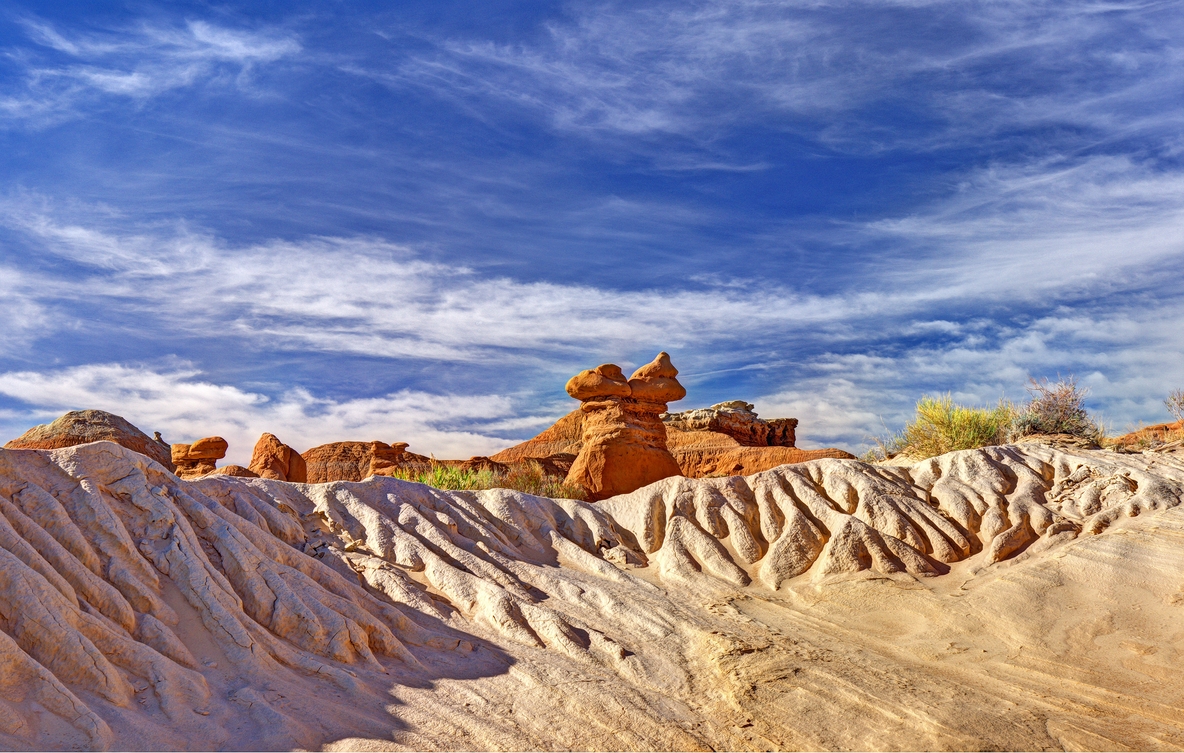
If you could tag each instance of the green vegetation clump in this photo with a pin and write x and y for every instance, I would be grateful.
(942, 426)
(527, 477)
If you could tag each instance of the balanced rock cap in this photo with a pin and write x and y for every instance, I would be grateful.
(656, 383)
(208, 448)
(606, 380)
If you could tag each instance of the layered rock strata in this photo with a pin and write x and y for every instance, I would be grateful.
(738, 420)
(702, 454)
(85, 426)
(623, 445)
(200, 458)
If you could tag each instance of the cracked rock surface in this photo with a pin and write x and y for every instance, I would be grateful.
(1019, 597)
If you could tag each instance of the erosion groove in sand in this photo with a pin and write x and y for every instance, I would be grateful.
(1018, 596)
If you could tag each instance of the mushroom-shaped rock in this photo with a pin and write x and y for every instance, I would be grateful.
(273, 459)
(199, 458)
(656, 383)
(606, 380)
(624, 440)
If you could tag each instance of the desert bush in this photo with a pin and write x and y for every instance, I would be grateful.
(1056, 408)
(1175, 404)
(942, 426)
(528, 477)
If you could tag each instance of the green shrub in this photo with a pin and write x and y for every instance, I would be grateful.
(527, 477)
(1057, 408)
(943, 426)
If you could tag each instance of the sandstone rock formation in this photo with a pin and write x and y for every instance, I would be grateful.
(1150, 436)
(738, 420)
(198, 459)
(84, 426)
(564, 437)
(725, 439)
(234, 470)
(701, 454)
(624, 441)
(271, 458)
(354, 461)
(1014, 598)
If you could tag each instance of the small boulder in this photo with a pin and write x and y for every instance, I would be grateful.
(234, 470)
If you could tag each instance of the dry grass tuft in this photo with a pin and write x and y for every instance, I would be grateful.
(1175, 404)
(1057, 408)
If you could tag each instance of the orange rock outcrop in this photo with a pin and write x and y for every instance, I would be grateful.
(85, 426)
(273, 459)
(725, 439)
(738, 420)
(201, 457)
(623, 439)
(702, 454)
(1149, 436)
(564, 437)
(354, 461)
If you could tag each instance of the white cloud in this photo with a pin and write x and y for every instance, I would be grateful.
(183, 407)
(136, 63)
(1128, 357)
(696, 68)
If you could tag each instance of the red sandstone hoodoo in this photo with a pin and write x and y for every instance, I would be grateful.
(624, 440)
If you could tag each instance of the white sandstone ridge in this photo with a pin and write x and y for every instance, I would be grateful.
(1014, 597)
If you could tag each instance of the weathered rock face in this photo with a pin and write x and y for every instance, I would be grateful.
(201, 457)
(739, 421)
(702, 454)
(564, 437)
(85, 426)
(271, 458)
(354, 461)
(1011, 598)
(624, 440)
(725, 439)
(1150, 436)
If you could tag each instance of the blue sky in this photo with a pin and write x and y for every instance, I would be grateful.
(353, 221)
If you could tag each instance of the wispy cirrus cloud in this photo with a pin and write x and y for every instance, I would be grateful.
(1021, 272)
(1090, 228)
(63, 71)
(846, 73)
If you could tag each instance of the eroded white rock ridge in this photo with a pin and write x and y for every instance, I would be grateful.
(140, 610)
